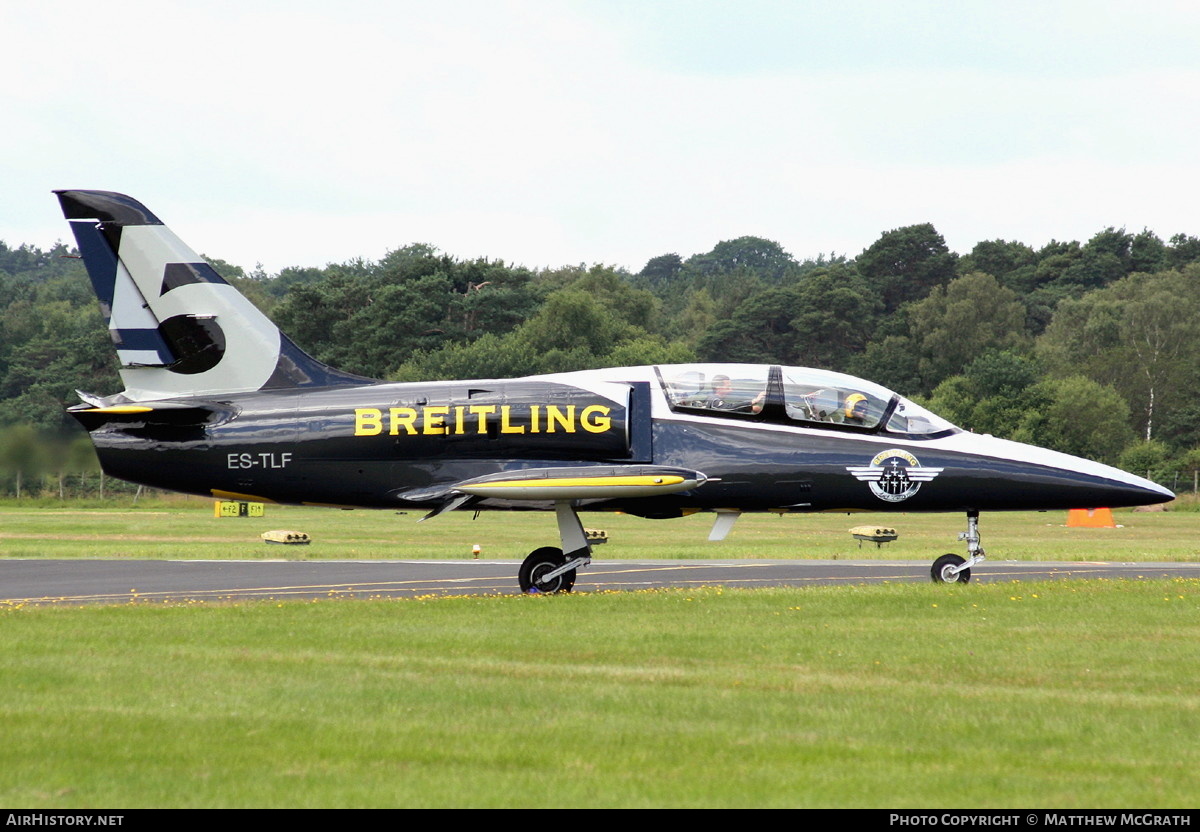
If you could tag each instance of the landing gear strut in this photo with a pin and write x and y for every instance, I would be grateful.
(951, 569)
(549, 570)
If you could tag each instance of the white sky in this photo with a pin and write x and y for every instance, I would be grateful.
(600, 131)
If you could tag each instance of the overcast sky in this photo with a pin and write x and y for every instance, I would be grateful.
(600, 131)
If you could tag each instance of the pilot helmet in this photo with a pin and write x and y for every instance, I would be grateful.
(851, 401)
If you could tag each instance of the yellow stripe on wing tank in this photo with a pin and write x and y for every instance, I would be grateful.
(120, 409)
(588, 481)
(614, 486)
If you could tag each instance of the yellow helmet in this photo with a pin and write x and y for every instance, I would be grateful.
(851, 401)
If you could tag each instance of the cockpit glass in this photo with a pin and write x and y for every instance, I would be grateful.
(810, 397)
(728, 388)
(914, 420)
(833, 398)
(825, 397)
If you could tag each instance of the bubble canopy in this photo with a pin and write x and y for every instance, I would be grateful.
(799, 396)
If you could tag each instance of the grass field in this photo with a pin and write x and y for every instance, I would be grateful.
(179, 529)
(1076, 694)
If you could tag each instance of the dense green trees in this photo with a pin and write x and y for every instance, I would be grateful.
(598, 318)
(1141, 335)
(821, 319)
(369, 318)
(1076, 415)
(955, 324)
(906, 264)
(52, 340)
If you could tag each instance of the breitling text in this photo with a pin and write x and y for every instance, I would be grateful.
(457, 420)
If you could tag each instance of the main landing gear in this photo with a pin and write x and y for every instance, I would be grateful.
(548, 569)
(951, 569)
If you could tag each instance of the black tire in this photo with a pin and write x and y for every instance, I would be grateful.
(939, 575)
(539, 562)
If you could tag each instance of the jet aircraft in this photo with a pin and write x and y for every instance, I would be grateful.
(219, 402)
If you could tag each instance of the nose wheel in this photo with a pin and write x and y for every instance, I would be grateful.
(951, 569)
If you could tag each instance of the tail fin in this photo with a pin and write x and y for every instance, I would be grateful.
(179, 328)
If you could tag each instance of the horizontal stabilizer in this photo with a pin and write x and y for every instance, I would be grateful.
(167, 414)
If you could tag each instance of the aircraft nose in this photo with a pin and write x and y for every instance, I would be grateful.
(1101, 486)
(1137, 491)
(1096, 492)
(1147, 493)
(1044, 479)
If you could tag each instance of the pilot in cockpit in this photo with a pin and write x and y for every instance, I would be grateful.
(723, 397)
(856, 409)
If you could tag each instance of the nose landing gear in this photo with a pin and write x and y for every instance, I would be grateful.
(950, 568)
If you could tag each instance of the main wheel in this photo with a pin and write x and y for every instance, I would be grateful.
(541, 562)
(941, 573)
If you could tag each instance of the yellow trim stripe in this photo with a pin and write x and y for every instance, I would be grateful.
(582, 482)
(123, 408)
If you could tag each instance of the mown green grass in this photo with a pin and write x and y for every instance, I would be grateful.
(188, 530)
(1057, 695)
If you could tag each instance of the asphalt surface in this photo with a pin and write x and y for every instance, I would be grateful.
(151, 581)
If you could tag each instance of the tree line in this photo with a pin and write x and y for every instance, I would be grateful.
(1090, 348)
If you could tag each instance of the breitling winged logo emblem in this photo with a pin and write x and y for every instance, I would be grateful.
(894, 475)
